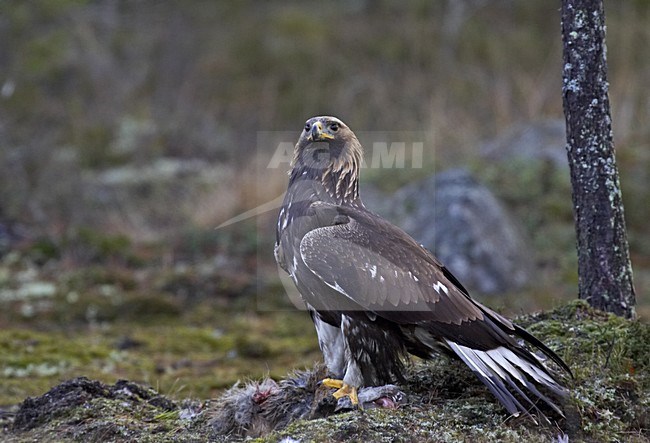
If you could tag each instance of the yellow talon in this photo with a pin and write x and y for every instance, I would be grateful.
(344, 390)
(332, 383)
(347, 390)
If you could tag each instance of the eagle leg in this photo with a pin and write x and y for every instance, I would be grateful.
(344, 390)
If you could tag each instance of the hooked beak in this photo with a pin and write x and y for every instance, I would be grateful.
(317, 134)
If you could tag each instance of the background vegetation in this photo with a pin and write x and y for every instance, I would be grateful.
(129, 130)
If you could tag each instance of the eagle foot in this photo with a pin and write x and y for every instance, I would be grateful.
(344, 390)
(385, 397)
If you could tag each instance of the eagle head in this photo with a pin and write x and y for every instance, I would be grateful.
(328, 149)
(324, 129)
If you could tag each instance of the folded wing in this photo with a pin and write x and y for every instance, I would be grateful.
(378, 267)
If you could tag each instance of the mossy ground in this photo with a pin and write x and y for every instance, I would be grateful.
(179, 360)
(609, 401)
(187, 333)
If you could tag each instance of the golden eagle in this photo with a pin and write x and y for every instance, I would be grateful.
(376, 295)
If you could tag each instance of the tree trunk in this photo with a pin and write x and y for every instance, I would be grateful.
(604, 267)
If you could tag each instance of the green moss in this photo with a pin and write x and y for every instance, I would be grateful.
(94, 146)
(609, 400)
(178, 358)
(149, 308)
(98, 246)
(452, 422)
(44, 249)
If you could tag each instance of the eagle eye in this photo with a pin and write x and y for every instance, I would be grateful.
(334, 127)
(307, 127)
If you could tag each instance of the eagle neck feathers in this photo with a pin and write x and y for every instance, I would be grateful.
(339, 176)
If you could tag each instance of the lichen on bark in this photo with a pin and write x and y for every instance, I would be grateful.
(604, 266)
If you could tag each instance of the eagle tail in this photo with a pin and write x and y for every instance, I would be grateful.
(501, 368)
(530, 338)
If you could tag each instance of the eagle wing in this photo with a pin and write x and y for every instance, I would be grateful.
(382, 269)
(375, 265)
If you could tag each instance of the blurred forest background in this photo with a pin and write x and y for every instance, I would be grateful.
(129, 131)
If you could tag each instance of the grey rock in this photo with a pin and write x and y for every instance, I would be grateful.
(466, 227)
